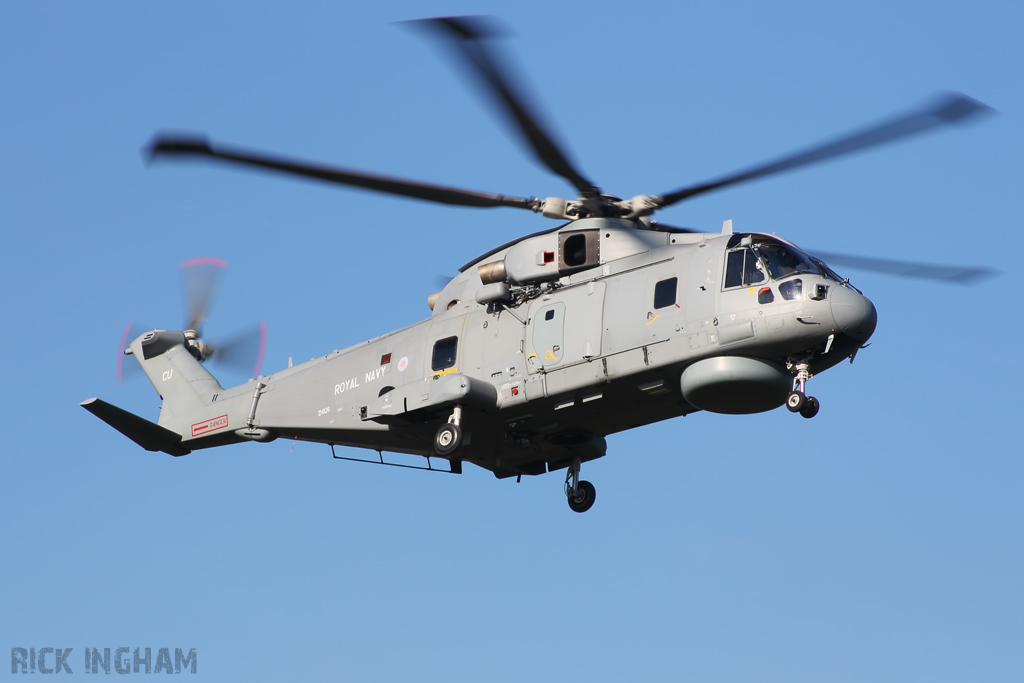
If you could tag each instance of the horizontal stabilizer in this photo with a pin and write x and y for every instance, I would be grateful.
(150, 436)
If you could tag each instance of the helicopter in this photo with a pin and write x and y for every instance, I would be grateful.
(542, 347)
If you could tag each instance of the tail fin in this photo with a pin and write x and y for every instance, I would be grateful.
(185, 386)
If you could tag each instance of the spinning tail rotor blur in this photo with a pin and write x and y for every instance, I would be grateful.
(242, 351)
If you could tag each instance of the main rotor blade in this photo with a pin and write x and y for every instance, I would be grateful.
(467, 35)
(198, 146)
(665, 227)
(960, 275)
(951, 108)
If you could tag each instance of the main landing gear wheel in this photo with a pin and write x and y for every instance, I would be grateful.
(810, 408)
(580, 494)
(796, 401)
(448, 439)
(584, 497)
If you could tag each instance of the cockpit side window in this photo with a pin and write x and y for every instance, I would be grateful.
(753, 271)
(784, 261)
(743, 267)
(734, 269)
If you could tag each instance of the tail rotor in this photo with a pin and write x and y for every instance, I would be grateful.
(128, 369)
(242, 351)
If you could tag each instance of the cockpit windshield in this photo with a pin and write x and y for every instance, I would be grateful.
(829, 273)
(784, 261)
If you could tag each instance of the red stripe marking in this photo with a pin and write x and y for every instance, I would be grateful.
(202, 427)
(204, 261)
(120, 350)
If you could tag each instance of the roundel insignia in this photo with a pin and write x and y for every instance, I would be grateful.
(403, 364)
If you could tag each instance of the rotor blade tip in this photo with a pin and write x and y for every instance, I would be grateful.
(203, 261)
(976, 276)
(190, 143)
(957, 107)
(466, 27)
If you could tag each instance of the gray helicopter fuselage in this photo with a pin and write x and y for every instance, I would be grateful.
(639, 328)
(542, 347)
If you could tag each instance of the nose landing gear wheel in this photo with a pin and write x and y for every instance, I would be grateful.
(448, 439)
(583, 499)
(796, 402)
(810, 408)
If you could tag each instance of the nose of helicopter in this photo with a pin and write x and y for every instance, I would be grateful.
(854, 313)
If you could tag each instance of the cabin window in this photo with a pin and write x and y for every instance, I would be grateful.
(444, 354)
(665, 293)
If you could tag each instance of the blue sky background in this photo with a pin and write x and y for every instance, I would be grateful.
(880, 541)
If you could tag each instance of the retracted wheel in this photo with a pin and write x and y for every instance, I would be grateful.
(810, 408)
(583, 499)
(796, 401)
(448, 439)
